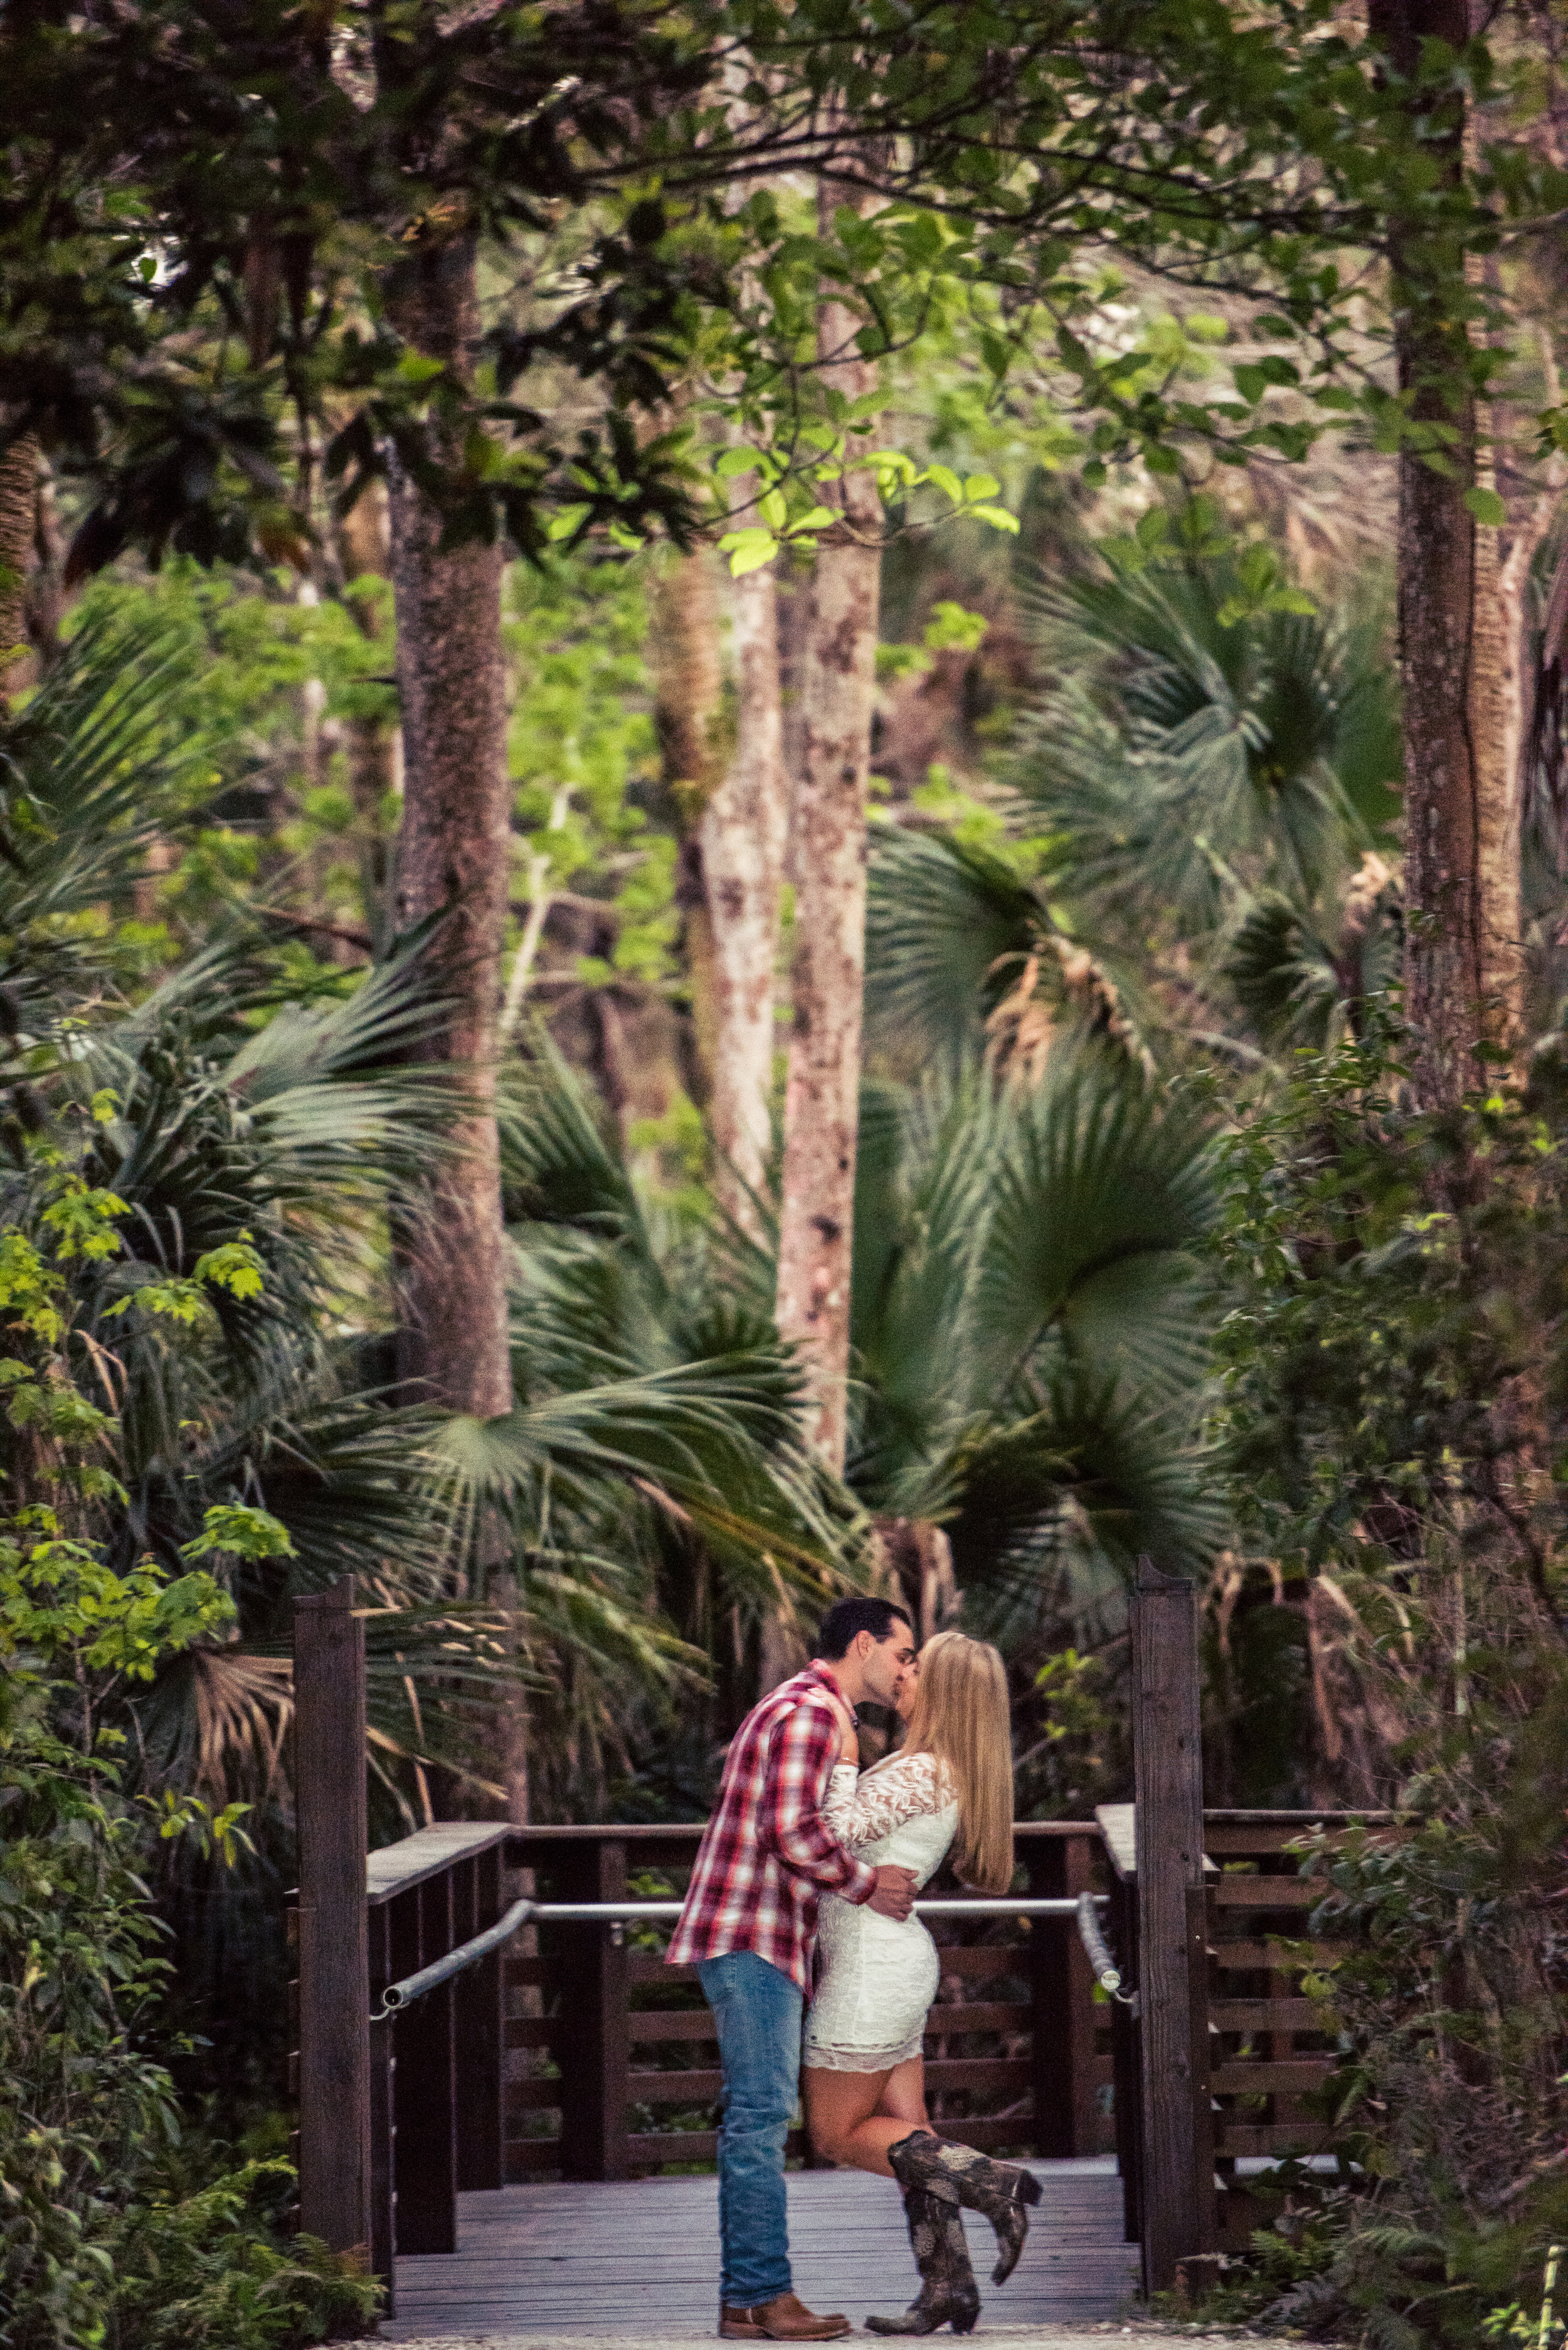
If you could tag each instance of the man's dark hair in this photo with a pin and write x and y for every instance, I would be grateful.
(847, 1617)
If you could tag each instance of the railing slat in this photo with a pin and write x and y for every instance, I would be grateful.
(1263, 2015)
(427, 2079)
(479, 2000)
(592, 2044)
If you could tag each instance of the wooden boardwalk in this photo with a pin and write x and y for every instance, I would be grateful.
(642, 2259)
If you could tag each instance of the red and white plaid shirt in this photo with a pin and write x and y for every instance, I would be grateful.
(768, 1851)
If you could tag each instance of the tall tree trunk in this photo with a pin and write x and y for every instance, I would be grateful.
(454, 859)
(742, 842)
(18, 505)
(1460, 870)
(364, 552)
(689, 720)
(1495, 718)
(838, 683)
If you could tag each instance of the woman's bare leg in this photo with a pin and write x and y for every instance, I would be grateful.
(904, 2098)
(848, 2118)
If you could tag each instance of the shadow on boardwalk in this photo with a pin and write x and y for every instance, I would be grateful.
(642, 2259)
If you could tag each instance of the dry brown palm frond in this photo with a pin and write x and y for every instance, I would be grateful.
(244, 1706)
(1019, 1033)
(1024, 1028)
(1362, 892)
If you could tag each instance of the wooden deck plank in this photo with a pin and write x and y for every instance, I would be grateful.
(641, 2258)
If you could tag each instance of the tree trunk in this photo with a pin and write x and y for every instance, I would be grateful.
(689, 720)
(741, 843)
(836, 689)
(1461, 864)
(1495, 721)
(364, 552)
(454, 859)
(18, 504)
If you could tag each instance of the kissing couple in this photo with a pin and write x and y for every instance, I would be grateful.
(801, 1846)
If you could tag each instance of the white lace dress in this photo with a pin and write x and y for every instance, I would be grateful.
(878, 1975)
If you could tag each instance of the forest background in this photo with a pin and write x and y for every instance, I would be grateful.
(783, 811)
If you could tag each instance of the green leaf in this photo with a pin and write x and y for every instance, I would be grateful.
(1486, 507)
(997, 516)
(951, 628)
(943, 478)
(980, 486)
(244, 1531)
(748, 550)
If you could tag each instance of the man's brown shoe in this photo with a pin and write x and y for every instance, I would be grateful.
(783, 2319)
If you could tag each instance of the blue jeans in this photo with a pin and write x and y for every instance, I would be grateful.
(756, 2013)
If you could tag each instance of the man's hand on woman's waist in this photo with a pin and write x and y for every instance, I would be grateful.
(893, 1895)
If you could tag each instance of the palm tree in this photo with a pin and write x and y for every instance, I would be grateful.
(644, 1351)
(1030, 1329)
(1028, 1334)
(1200, 804)
(223, 1117)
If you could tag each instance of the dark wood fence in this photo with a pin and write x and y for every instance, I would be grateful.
(621, 2071)
(582, 2056)
(1268, 2056)
(574, 2052)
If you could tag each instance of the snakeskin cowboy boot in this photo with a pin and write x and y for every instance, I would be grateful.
(949, 2294)
(999, 2191)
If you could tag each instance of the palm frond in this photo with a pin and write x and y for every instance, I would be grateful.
(1099, 1174)
(1301, 979)
(947, 928)
(1100, 1466)
(90, 772)
(716, 1443)
(1031, 1335)
(1184, 752)
(557, 1165)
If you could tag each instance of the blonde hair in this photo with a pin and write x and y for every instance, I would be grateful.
(960, 1715)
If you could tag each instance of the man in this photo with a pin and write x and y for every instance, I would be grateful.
(750, 1925)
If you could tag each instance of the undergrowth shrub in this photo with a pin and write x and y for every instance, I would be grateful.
(1395, 1425)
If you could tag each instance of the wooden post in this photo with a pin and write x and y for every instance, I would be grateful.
(1168, 1773)
(1062, 1987)
(383, 2120)
(333, 1949)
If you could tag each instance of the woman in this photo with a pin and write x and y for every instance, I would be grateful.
(949, 1784)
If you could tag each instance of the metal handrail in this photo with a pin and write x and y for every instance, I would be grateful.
(1107, 1974)
(402, 1994)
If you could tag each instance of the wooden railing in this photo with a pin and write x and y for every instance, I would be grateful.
(1268, 2056)
(623, 2057)
(437, 2072)
(576, 2051)
(586, 2057)
(1258, 2055)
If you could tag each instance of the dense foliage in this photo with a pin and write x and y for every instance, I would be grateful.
(1171, 324)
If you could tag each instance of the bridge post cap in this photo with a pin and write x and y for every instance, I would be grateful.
(337, 1600)
(1154, 1579)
